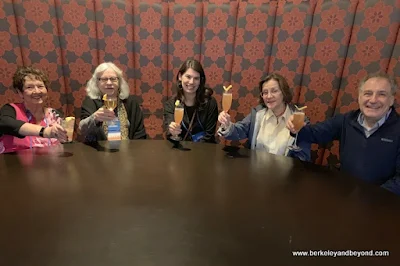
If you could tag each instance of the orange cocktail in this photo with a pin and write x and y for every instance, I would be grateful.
(226, 101)
(298, 120)
(178, 114)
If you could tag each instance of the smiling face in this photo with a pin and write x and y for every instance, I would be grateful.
(34, 92)
(190, 81)
(108, 82)
(273, 96)
(375, 99)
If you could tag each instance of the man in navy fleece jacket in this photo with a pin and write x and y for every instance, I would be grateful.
(369, 137)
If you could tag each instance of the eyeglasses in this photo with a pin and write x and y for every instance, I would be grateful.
(112, 79)
(273, 93)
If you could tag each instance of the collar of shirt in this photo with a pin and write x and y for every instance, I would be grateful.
(284, 117)
(360, 120)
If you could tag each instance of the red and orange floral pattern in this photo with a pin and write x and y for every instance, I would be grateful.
(74, 14)
(323, 47)
(366, 53)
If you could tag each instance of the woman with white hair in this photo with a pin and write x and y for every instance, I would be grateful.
(108, 79)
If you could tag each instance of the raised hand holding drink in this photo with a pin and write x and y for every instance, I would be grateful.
(68, 124)
(178, 116)
(114, 126)
(110, 102)
(227, 99)
(298, 123)
(298, 120)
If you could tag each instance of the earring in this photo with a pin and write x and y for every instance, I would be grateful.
(180, 84)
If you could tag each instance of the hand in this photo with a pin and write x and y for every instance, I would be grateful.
(174, 129)
(55, 131)
(103, 114)
(225, 119)
(291, 127)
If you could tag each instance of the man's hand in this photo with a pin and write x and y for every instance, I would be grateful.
(291, 127)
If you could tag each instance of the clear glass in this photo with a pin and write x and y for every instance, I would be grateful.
(226, 101)
(110, 102)
(178, 116)
(298, 123)
(68, 124)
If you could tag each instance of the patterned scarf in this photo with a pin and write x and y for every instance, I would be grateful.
(123, 119)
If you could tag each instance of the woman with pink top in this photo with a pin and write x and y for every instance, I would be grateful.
(30, 123)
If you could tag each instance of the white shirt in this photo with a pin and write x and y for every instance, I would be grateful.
(273, 135)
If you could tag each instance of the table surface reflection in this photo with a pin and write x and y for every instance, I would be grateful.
(149, 204)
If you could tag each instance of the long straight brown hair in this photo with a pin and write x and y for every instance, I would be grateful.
(202, 93)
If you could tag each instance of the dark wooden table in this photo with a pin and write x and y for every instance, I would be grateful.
(148, 204)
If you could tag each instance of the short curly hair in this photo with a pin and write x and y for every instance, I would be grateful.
(29, 71)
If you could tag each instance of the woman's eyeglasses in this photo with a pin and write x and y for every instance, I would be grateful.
(112, 79)
(273, 93)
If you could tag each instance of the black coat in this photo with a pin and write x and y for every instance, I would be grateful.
(207, 115)
(135, 117)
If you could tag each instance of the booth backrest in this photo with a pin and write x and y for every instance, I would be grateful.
(323, 47)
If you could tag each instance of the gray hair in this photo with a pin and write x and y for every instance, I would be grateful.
(382, 75)
(93, 90)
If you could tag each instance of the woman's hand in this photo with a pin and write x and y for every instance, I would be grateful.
(103, 114)
(55, 131)
(225, 119)
(174, 129)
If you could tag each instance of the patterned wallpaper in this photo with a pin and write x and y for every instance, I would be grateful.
(323, 47)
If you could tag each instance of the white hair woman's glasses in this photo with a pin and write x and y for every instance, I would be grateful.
(92, 87)
(105, 80)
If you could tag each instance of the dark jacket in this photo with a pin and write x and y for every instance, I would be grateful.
(375, 159)
(135, 117)
(205, 120)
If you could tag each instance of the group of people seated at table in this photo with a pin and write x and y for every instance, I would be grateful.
(369, 137)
